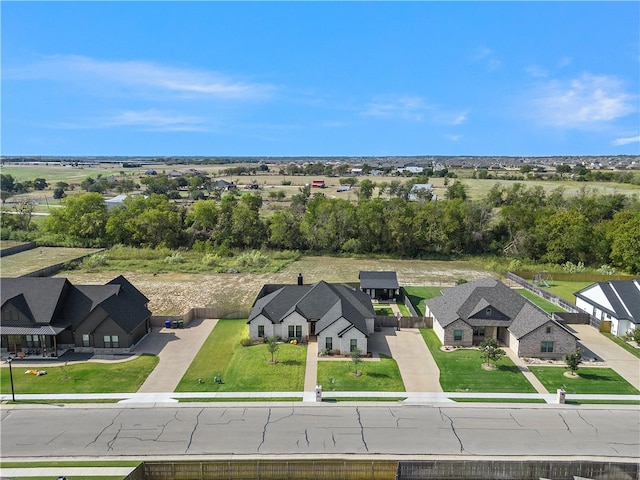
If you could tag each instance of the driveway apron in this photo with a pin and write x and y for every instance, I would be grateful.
(176, 348)
(624, 363)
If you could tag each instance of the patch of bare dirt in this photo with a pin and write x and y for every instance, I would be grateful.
(176, 293)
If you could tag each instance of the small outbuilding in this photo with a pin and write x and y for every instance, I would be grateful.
(379, 285)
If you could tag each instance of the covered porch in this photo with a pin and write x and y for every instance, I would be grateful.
(38, 342)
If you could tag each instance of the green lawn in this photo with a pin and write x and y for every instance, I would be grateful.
(382, 376)
(243, 369)
(591, 380)
(539, 301)
(88, 377)
(632, 349)
(461, 370)
(565, 289)
(418, 295)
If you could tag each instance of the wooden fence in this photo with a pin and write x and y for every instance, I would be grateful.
(272, 469)
(405, 322)
(198, 313)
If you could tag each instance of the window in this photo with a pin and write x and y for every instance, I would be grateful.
(85, 340)
(488, 312)
(111, 341)
(33, 341)
(260, 331)
(546, 347)
(354, 345)
(548, 329)
(295, 331)
(478, 331)
(457, 335)
(329, 343)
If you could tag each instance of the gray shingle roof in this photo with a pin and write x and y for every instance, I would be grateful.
(469, 303)
(322, 302)
(29, 297)
(378, 280)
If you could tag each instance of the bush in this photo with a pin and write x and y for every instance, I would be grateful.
(607, 270)
(95, 261)
(246, 342)
(571, 267)
(174, 259)
(210, 260)
(253, 259)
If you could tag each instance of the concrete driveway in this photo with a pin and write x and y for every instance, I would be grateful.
(417, 367)
(625, 364)
(176, 348)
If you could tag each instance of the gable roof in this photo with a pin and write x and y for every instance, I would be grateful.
(58, 303)
(466, 302)
(619, 298)
(378, 280)
(321, 302)
(28, 295)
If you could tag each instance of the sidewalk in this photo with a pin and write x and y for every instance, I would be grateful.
(69, 472)
(311, 372)
(528, 374)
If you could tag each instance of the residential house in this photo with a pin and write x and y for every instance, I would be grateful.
(48, 316)
(467, 314)
(616, 301)
(338, 317)
(379, 285)
(421, 191)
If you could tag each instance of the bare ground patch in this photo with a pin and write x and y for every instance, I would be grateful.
(176, 293)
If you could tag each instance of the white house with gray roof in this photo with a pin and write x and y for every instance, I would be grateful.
(617, 302)
(467, 314)
(339, 317)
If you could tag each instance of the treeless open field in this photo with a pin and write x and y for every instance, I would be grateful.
(172, 293)
(28, 261)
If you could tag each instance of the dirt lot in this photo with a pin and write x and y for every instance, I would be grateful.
(172, 293)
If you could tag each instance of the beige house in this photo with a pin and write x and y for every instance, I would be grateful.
(467, 314)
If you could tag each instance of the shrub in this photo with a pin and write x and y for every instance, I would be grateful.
(174, 259)
(210, 260)
(95, 261)
(607, 270)
(246, 342)
(571, 267)
(253, 259)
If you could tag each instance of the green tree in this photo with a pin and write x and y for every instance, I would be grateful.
(623, 236)
(84, 217)
(491, 351)
(40, 184)
(366, 189)
(456, 190)
(355, 360)
(272, 348)
(573, 359)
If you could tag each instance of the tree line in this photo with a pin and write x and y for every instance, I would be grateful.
(517, 221)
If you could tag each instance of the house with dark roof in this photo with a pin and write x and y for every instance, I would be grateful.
(337, 316)
(467, 314)
(48, 316)
(617, 302)
(379, 285)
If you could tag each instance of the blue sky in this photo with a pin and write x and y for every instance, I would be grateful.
(320, 78)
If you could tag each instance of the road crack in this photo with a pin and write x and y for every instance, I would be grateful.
(364, 442)
(193, 431)
(453, 429)
(264, 430)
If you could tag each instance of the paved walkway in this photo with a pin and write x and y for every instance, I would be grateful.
(311, 372)
(528, 374)
(176, 348)
(615, 357)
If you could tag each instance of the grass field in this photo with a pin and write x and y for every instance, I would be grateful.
(418, 295)
(566, 290)
(632, 349)
(539, 301)
(30, 260)
(243, 369)
(591, 380)
(461, 370)
(87, 377)
(382, 376)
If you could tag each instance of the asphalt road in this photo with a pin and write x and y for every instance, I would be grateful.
(494, 430)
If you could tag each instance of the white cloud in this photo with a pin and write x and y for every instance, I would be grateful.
(537, 71)
(143, 75)
(407, 107)
(625, 141)
(156, 120)
(454, 138)
(582, 103)
(487, 57)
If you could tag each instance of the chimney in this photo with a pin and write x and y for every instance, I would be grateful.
(300, 279)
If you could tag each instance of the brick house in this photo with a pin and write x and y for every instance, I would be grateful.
(467, 314)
